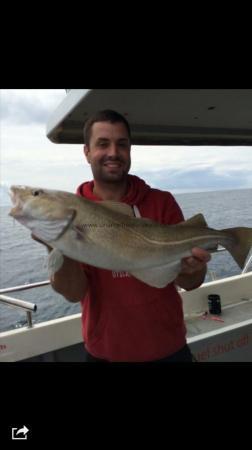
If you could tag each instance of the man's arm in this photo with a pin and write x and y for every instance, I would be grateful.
(193, 270)
(70, 280)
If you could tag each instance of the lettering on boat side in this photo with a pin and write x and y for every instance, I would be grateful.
(221, 348)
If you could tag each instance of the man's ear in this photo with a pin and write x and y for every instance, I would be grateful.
(86, 152)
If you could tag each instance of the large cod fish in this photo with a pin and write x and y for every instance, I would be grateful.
(108, 236)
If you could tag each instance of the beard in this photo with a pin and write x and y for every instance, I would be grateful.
(104, 174)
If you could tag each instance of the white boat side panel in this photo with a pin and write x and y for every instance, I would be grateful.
(16, 345)
(233, 344)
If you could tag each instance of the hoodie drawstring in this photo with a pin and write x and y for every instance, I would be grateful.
(136, 211)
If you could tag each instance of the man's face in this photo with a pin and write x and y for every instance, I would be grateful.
(108, 151)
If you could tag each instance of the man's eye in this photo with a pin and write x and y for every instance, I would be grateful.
(103, 144)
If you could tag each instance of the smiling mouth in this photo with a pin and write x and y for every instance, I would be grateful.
(113, 165)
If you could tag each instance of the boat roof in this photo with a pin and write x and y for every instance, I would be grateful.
(160, 116)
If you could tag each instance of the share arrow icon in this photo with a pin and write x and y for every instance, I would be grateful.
(20, 433)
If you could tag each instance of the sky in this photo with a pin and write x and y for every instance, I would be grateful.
(28, 157)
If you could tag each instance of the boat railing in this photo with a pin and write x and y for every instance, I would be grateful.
(17, 303)
(32, 307)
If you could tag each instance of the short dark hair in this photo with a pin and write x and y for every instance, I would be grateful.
(107, 115)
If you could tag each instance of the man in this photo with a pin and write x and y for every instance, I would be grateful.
(123, 318)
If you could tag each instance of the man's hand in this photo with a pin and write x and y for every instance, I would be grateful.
(195, 263)
(193, 269)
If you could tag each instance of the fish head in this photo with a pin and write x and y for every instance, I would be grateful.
(37, 202)
(39, 208)
(23, 197)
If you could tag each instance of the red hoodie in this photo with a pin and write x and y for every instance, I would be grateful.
(124, 319)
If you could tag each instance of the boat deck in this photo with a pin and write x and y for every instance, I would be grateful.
(232, 314)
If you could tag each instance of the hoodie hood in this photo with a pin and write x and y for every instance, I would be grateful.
(137, 190)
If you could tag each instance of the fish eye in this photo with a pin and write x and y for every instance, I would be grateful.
(37, 192)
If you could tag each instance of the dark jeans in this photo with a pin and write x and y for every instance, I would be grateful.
(183, 355)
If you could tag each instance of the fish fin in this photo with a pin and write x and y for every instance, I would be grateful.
(123, 208)
(50, 230)
(159, 276)
(55, 261)
(242, 244)
(196, 221)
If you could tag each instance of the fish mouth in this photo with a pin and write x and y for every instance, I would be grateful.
(17, 203)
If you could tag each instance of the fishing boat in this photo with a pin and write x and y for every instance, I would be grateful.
(202, 117)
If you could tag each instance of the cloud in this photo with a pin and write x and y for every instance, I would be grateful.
(197, 179)
(60, 175)
(194, 168)
(190, 158)
(28, 106)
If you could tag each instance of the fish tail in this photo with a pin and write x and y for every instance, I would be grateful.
(241, 245)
